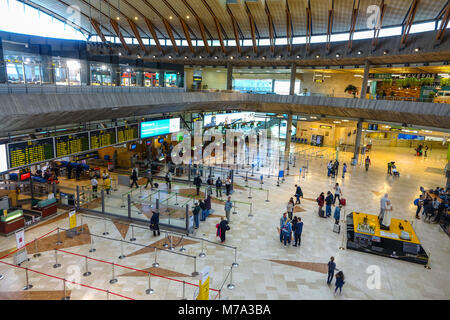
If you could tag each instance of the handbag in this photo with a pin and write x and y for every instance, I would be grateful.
(228, 227)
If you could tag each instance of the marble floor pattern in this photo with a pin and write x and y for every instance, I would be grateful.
(267, 269)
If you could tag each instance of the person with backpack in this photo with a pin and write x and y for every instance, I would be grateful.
(198, 184)
(344, 170)
(218, 187)
(283, 220)
(196, 212)
(154, 223)
(298, 194)
(337, 193)
(298, 229)
(418, 203)
(320, 202)
(228, 207)
(286, 230)
(367, 163)
(328, 202)
(290, 208)
(339, 282)
(222, 228)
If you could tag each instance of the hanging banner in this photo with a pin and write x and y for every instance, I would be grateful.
(72, 219)
(20, 239)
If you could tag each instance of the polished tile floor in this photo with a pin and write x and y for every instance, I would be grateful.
(267, 269)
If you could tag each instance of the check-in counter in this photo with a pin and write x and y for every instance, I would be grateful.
(46, 207)
(12, 222)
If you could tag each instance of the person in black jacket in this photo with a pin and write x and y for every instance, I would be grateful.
(218, 187)
(223, 228)
(198, 184)
(134, 178)
(154, 223)
(298, 193)
(203, 207)
(328, 202)
(196, 212)
(78, 171)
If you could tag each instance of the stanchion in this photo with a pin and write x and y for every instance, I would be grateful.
(2, 277)
(250, 193)
(132, 234)
(65, 297)
(231, 285)
(105, 233)
(87, 273)
(184, 291)
(165, 244)
(342, 247)
(251, 210)
(56, 265)
(176, 198)
(202, 254)
(182, 249)
(234, 207)
(149, 290)
(107, 294)
(28, 286)
(267, 200)
(58, 237)
(427, 266)
(155, 264)
(235, 264)
(92, 249)
(171, 248)
(122, 256)
(37, 254)
(113, 279)
(195, 273)
(81, 222)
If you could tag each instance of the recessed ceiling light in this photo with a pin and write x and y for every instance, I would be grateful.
(120, 53)
(303, 119)
(170, 17)
(336, 122)
(154, 57)
(118, 18)
(200, 57)
(135, 18)
(417, 49)
(170, 57)
(298, 57)
(247, 57)
(313, 117)
(185, 57)
(337, 55)
(187, 17)
(216, 57)
(385, 52)
(345, 120)
(231, 57)
(317, 56)
(263, 57)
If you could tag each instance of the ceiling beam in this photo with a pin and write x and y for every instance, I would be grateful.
(170, 33)
(251, 22)
(353, 24)
(308, 27)
(408, 23)
(446, 18)
(271, 28)
(148, 4)
(235, 29)
(378, 24)
(151, 28)
(136, 34)
(97, 29)
(288, 27)
(219, 28)
(184, 25)
(186, 34)
(203, 29)
(330, 26)
(119, 34)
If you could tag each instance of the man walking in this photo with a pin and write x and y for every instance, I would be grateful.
(198, 184)
(134, 178)
(330, 166)
(298, 232)
(367, 163)
(337, 193)
(218, 187)
(344, 170)
(298, 194)
(228, 207)
(331, 269)
(328, 202)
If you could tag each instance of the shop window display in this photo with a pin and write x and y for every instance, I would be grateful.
(101, 75)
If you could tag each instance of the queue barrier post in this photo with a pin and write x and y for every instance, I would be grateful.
(235, 264)
(267, 200)
(56, 265)
(150, 290)
(235, 208)
(107, 294)
(28, 286)
(165, 245)
(184, 291)
(250, 193)
(82, 228)
(251, 210)
(58, 237)
(122, 256)
(65, 297)
(231, 285)
(155, 264)
(195, 273)
(37, 254)
(132, 234)
(427, 266)
(182, 249)
(105, 233)
(171, 243)
(87, 273)
(92, 249)
(2, 277)
(176, 198)
(202, 254)
(113, 278)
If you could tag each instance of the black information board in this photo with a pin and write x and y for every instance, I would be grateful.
(127, 133)
(71, 144)
(103, 138)
(28, 152)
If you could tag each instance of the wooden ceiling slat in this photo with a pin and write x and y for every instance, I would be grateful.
(119, 34)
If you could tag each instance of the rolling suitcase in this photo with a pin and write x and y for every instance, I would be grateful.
(321, 213)
(342, 201)
(336, 228)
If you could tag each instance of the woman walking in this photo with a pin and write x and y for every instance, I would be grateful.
(154, 223)
(339, 282)
(290, 208)
(320, 202)
(222, 228)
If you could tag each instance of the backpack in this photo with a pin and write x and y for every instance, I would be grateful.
(416, 202)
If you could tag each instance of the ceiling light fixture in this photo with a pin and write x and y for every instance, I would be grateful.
(385, 52)
(337, 55)
(135, 18)
(416, 49)
(170, 17)
(231, 57)
(359, 52)
(317, 56)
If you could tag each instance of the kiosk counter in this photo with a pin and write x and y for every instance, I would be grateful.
(399, 242)
(12, 222)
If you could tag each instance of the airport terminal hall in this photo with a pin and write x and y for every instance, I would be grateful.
(235, 151)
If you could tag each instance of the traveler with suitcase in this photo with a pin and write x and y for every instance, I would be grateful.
(337, 214)
(328, 202)
(337, 193)
(320, 201)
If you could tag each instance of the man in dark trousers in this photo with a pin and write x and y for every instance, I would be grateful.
(69, 171)
(198, 184)
(78, 171)
(336, 168)
(134, 178)
(331, 269)
(154, 223)
(218, 187)
(298, 194)
(298, 232)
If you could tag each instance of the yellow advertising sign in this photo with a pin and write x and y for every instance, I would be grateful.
(72, 219)
(203, 293)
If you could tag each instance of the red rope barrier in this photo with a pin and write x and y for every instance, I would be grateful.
(28, 244)
(55, 277)
(130, 268)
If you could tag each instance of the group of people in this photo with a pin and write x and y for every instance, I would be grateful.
(421, 149)
(435, 204)
(339, 276)
(333, 169)
(106, 183)
(330, 200)
(392, 169)
(210, 183)
(291, 229)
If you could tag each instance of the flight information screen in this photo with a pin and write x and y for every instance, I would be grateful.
(103, 138)
(127, 133)
(72, 143)
(28, 152)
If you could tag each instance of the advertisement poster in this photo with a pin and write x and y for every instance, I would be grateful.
(72, 219)
(20, 239)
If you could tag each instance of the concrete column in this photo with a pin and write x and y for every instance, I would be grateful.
(292, 83)
(358, 140)
(229, 76)
(365, 79)
(3, 75)
(287, 146)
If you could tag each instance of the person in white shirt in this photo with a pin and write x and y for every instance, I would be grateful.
(384, 206)
(94, 184)
(337, 193)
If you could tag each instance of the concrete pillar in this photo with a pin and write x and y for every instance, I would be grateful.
(139, 72)
(287, 146)
(357, 141)
(115, 71)
(292, 83)
(3, 75)
(365, 79)
(229, 76)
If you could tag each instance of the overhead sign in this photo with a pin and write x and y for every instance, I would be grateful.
(223, 119)
(29, 152)
(3, 158)
(159, 127)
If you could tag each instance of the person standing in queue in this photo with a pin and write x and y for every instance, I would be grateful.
(94, 184)
(228, 207)
(337, 193)
(107, 184)
(154, 223)
(298, 232)
(283, 221)
(320, 202)
(223, 228)
(290, 208)
(344, 170)
(367, 163)
(78, 171)
(196, 212)
(228, 186)
(203, 207)
(198, 184)
(169, 181)
(328, 203)
(218, 187)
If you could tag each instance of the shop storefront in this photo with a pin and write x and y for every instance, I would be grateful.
(101, 74)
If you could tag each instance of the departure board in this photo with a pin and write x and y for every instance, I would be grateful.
(127, 133)
(28, 152)
(103, 138)
(72, 143)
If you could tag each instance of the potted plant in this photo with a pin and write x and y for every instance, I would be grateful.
(445, 82)
(352, 90)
